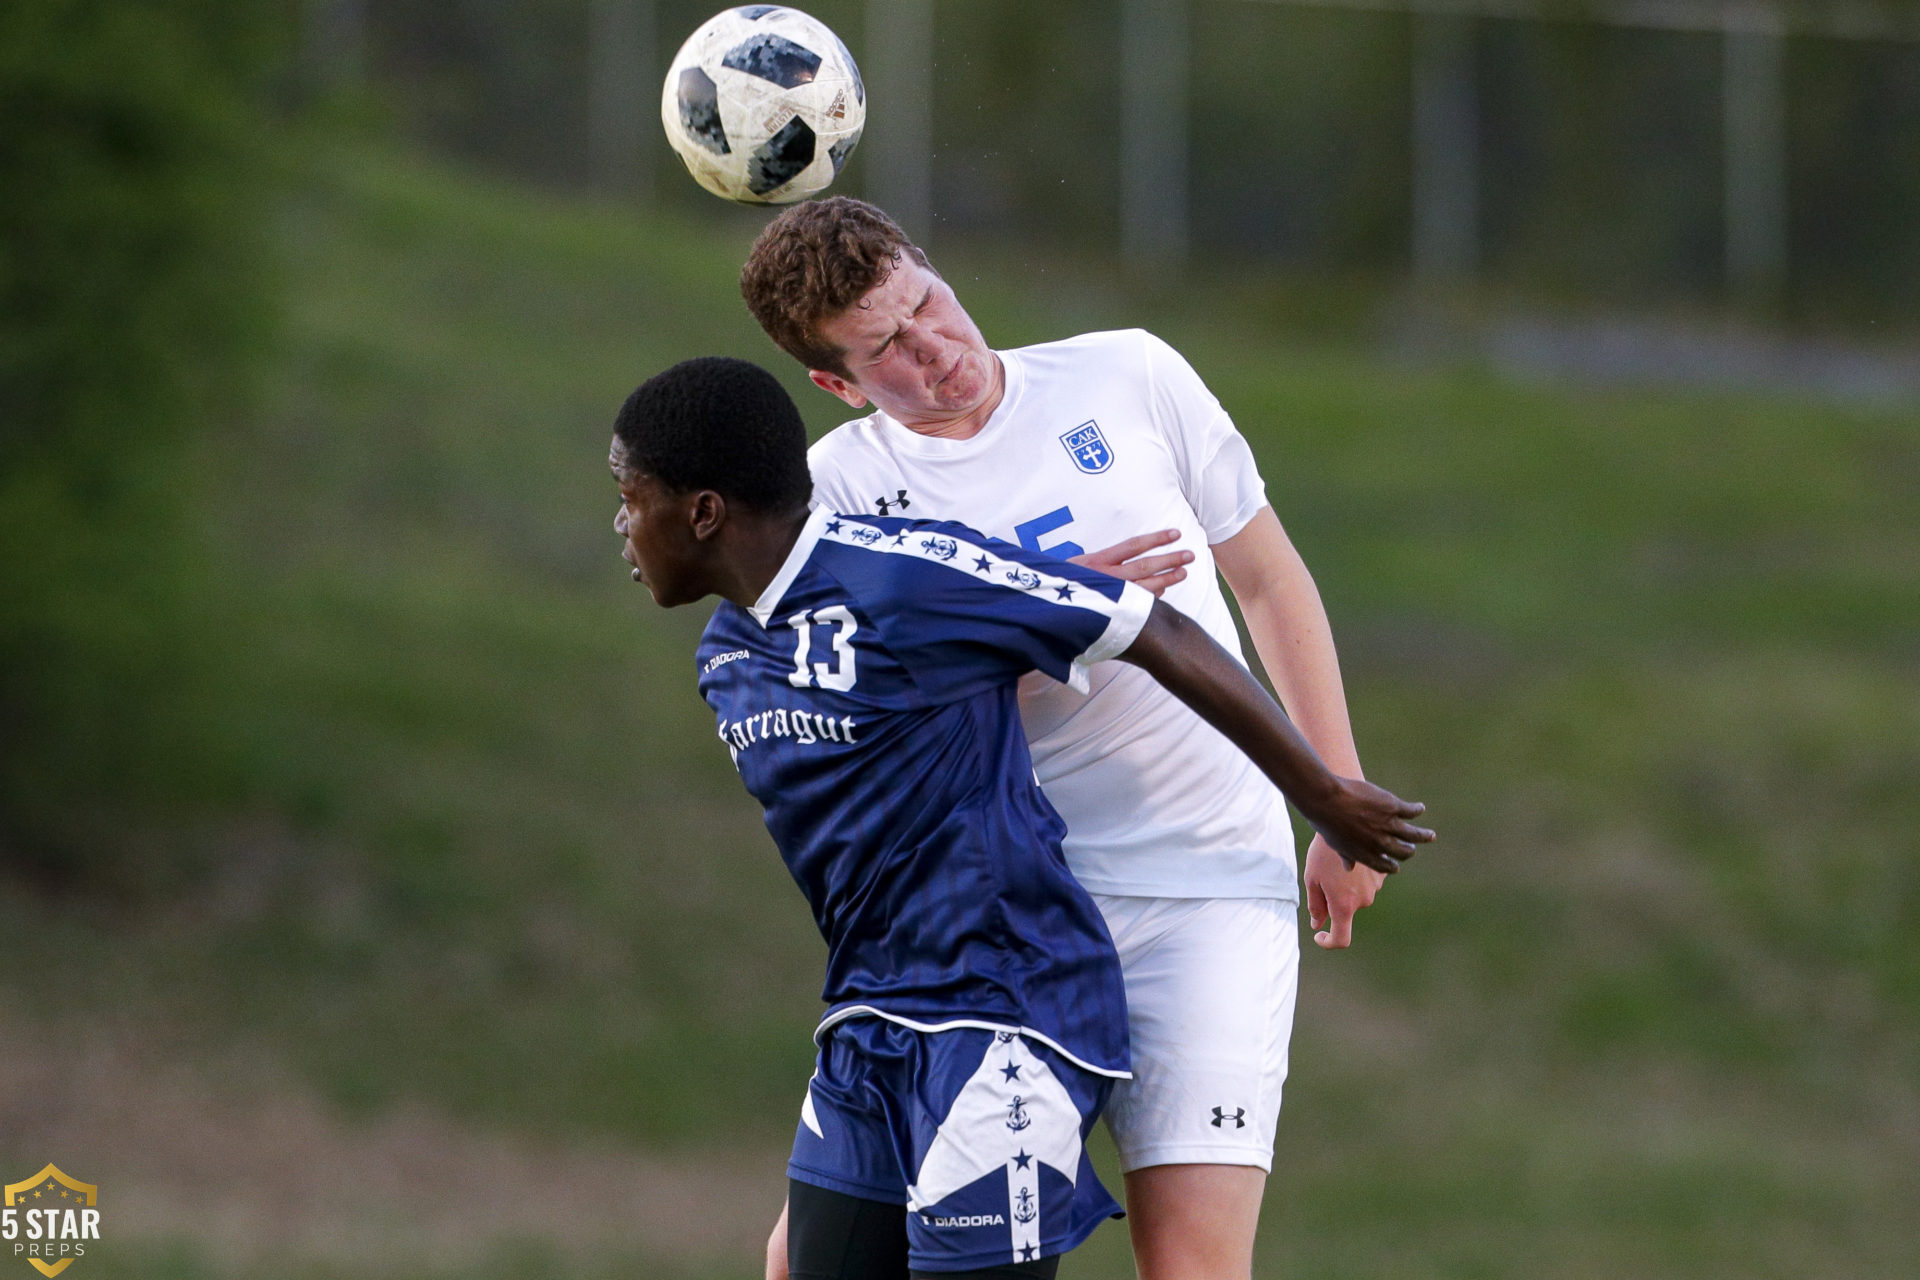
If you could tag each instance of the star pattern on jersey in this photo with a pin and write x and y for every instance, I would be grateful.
(1011, 1071)
(1022, 1160)
(1064, 591)
(900, 538)
(1026, 1253)
(983, 565)
(833, 527)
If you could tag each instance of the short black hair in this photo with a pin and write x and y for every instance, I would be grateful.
(721, 424)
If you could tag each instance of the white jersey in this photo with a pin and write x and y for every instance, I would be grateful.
(1097, 439)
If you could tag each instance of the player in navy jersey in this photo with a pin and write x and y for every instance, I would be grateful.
(862, 672)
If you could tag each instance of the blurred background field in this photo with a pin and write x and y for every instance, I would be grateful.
(378, 902)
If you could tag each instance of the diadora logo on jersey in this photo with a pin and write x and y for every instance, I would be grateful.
(967, 1220)
(1239, 1117)
(886, 505)
(722, 659)
(1088, 448)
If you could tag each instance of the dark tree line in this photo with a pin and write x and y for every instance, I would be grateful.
(132, 297)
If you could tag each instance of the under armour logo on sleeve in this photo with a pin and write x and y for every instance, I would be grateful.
(1239, 1117)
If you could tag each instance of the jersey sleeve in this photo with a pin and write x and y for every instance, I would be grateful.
(962, 611)
(832, 486)
(1217, 472)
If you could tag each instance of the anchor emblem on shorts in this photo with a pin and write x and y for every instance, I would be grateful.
(1017, 1117)
(1024, 1210)
(1239, 1117)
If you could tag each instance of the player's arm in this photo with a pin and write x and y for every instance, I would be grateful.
(1281, 604)
(1359, 820)
(1288, 622)
(777, 1248)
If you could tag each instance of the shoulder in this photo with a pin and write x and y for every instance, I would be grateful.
(880, 559)
(1116, 357)
(1102, 346)
(884, 542)
(845, 442)
(726, 631)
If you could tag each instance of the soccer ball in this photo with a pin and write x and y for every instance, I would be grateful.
(763, 104)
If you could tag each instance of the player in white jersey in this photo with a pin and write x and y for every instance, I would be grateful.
(1076, 448)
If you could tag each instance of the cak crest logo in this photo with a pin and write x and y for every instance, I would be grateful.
(1088, 448)
(49, 1220)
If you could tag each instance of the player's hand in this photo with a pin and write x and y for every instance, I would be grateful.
(1367, 824)
(1336, 889)
(1129, 560)
(777, 1248)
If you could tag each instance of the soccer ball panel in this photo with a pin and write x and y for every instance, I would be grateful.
(840, 150)
(859, 83)
(699, 101)
(772, 56)
(763, 104)
(781, 158)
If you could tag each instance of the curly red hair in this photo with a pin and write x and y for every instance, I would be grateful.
(813, 262)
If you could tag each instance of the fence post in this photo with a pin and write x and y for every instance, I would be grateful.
(623, 85)
(1153, 134)
(333, 41)
(1754, 107)
(898, 142)
(1446, 148)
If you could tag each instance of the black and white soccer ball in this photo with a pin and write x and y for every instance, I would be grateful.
(763, 104)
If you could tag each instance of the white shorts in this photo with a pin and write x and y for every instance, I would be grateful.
(1210, 994)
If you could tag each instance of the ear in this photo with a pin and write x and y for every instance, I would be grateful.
(835, 385)
(706, 515)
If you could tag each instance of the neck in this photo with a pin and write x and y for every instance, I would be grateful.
(759, 545)
(965, 425)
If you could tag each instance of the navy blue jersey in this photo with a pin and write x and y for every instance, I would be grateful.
(868, 699)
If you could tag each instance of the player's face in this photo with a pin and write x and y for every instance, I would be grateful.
(913, 350)
(653, 522)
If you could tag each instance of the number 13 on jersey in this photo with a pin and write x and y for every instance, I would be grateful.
(842, 674)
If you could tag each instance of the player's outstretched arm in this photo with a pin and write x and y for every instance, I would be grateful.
(1361, 821)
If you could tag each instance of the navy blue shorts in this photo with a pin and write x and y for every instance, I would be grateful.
(978, 1133)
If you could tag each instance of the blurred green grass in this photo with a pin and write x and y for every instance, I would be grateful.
(1652, 1008)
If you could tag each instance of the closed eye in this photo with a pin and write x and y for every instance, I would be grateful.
(880, 352)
